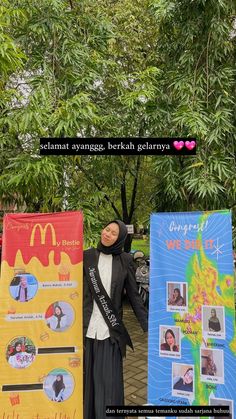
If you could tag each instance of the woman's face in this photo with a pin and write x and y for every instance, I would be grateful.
(57, 311)
(213, 313)
(23, 281)
(176, 294)
(170, 340)
(188, 377)
(18, 347)
(58, 378)
(110, 234)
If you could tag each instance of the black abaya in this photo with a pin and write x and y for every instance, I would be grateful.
(103, 378)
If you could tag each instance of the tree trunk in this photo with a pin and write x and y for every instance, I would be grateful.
(128, 242)
(128, 214)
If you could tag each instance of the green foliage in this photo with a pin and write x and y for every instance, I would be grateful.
(31, 181)
(196, 49)
(142, 245)
(11, 57)
(149, 68)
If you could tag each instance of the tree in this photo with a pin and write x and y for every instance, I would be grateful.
(12, 61)
(76, 80)
(115, 184)
(145, 68)
(196, 50)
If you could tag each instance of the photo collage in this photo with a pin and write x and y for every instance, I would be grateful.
(211, 360)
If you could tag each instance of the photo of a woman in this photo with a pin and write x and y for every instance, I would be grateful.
(185, 383)
(58, 320)
(59, 316)
(18, 356)
(23, 287)
(210, 367)
(23, 290)
(176, 299)
(58, 387)
(170, 342)
(213, 322)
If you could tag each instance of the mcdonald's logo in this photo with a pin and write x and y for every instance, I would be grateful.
(43, 231)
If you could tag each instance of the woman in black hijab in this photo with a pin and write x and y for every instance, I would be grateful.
(213, 322)
(107, 272)
(58, 388)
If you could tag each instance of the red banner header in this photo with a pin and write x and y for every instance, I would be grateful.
(37, 235)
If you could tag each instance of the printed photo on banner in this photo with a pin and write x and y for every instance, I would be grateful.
(23, 287)
(59, 385)
(223, 402)
(212, 365)
(59, 316)
(213, 322)
(183, 380)
(177, 296)
(169, 341)
(20, 352)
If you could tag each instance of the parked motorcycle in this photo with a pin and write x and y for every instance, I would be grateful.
(142, 275)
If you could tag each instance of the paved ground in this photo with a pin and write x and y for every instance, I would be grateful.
(135, 363)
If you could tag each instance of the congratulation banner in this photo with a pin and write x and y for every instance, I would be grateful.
(192, 343)
(41, 317)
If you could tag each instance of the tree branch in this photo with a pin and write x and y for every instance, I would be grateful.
(134, 193)
(124, 198)
(100, 189)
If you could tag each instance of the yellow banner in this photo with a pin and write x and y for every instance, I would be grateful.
(41, 345)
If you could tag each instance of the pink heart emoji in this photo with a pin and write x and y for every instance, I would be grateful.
(178, 145)
(190, 144)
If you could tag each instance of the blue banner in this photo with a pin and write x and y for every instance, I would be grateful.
(192, 340)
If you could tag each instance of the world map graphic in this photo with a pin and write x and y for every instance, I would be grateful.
(193, 253)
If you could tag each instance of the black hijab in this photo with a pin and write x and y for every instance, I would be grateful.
(117, 247)
(58, 385)
(58, 316)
